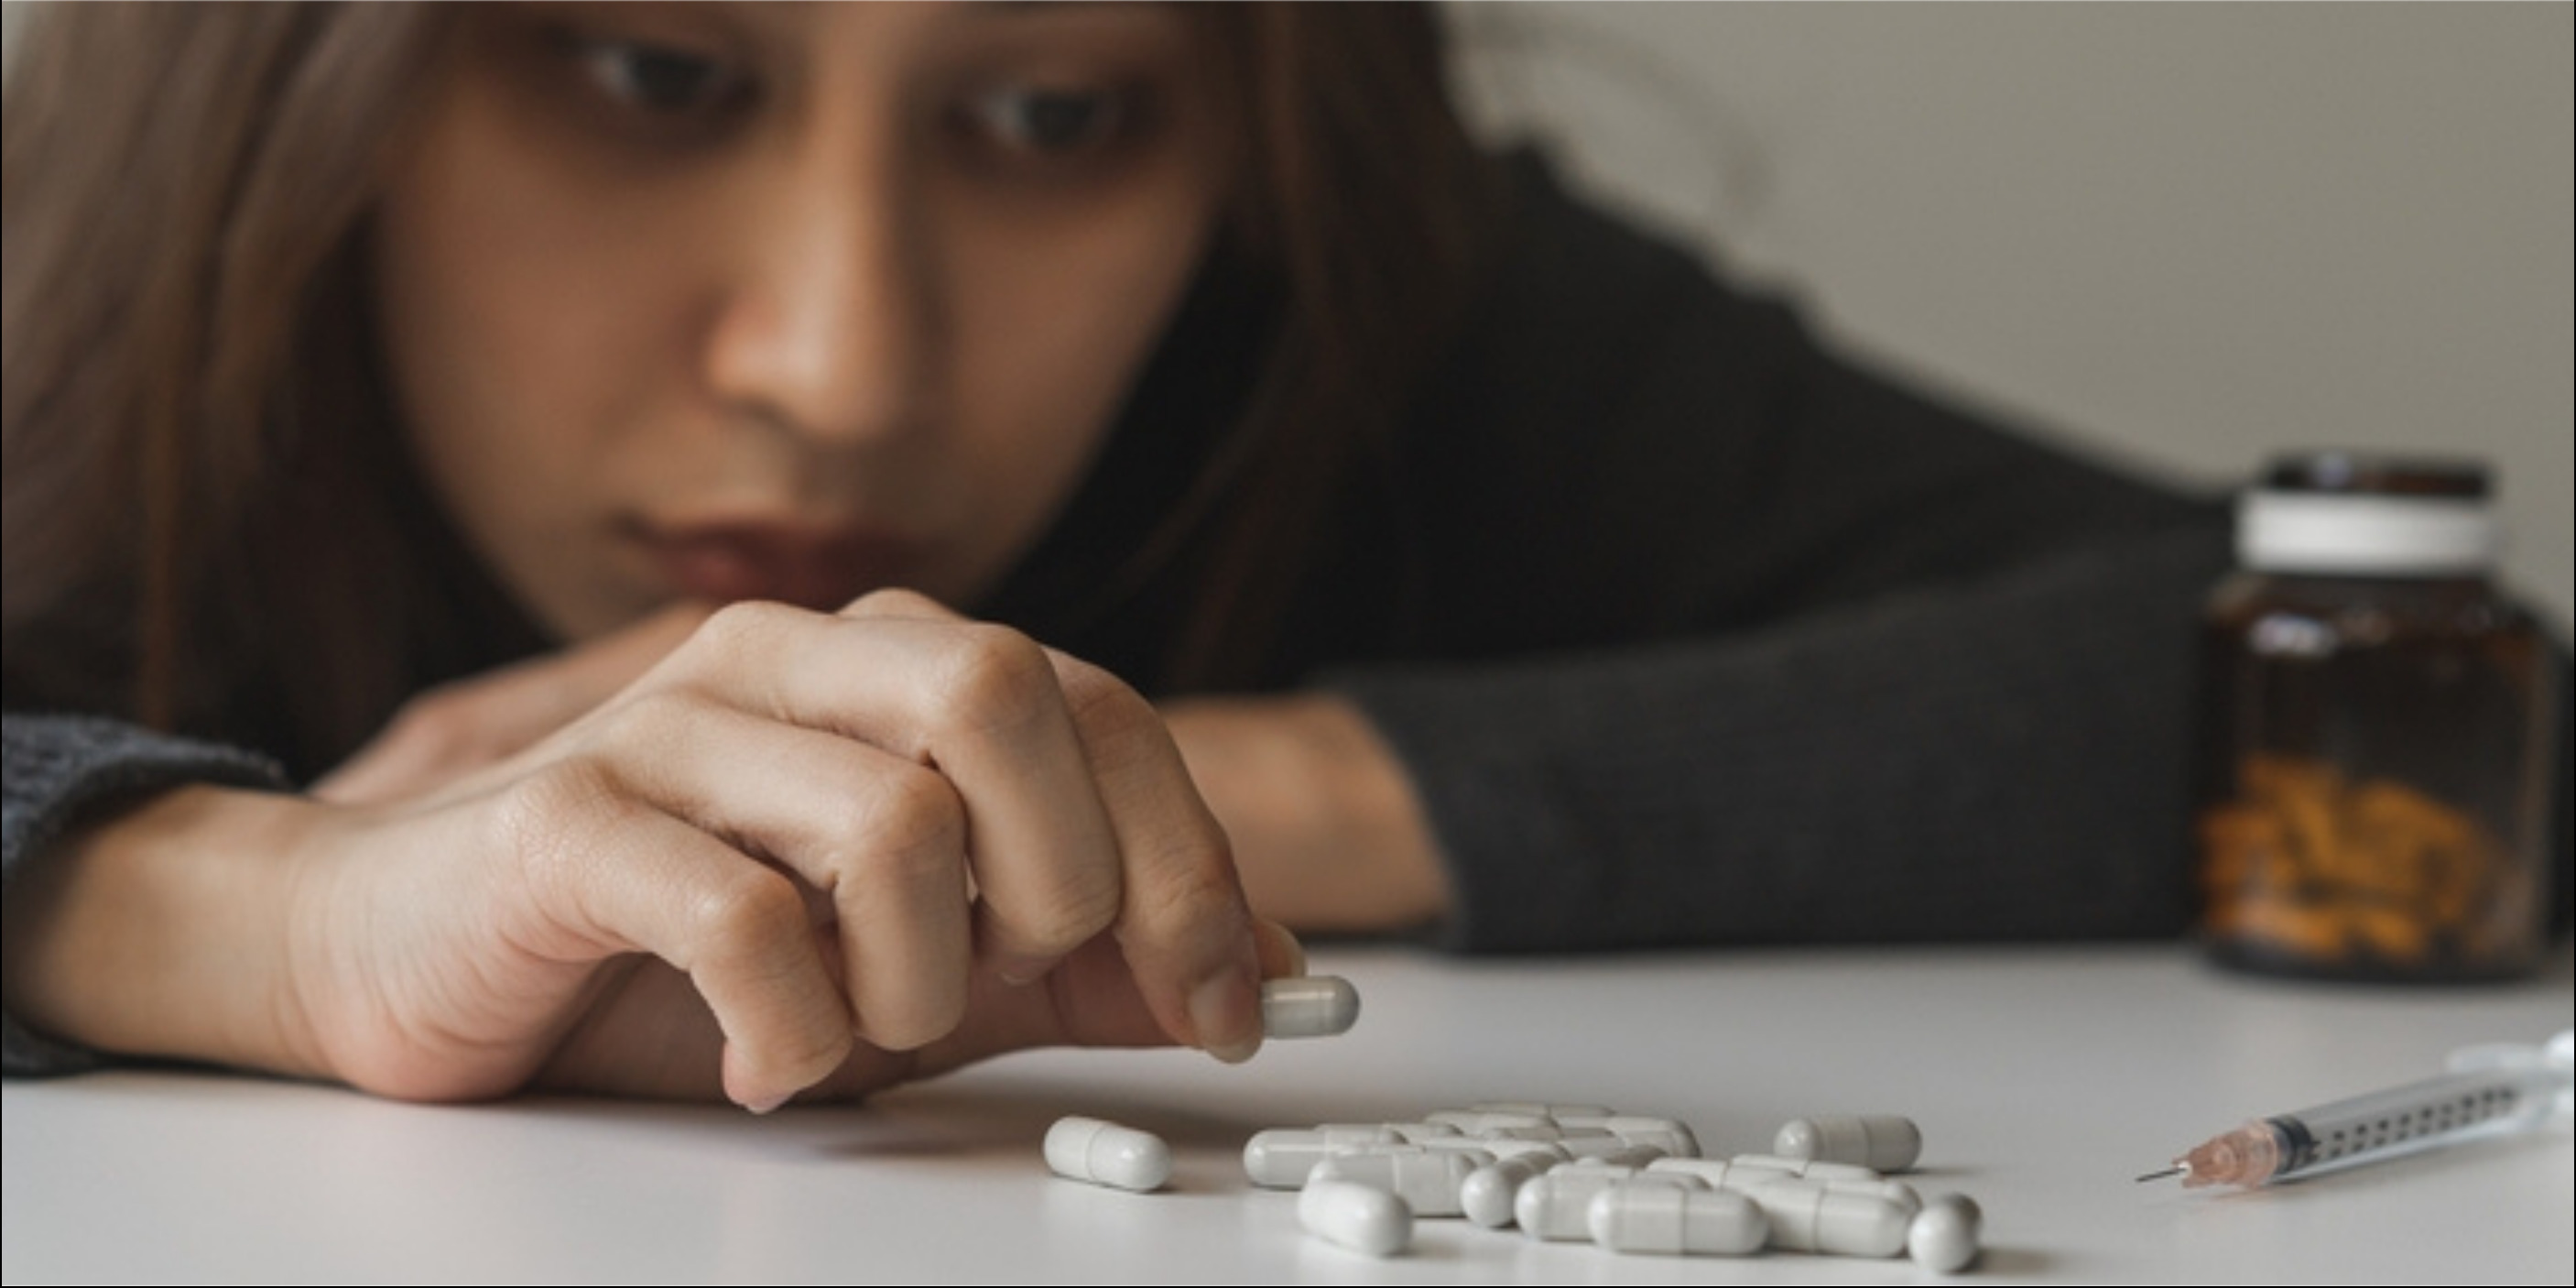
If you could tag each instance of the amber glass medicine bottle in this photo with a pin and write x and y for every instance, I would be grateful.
(2374, 794)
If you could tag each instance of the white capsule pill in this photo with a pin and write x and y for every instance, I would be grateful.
(1809, 1218)
(1104, 1153)
(1340, 1147)
(1636, 1155)
(1669, 1144)
(1487, 1193)
(1547, 1150)
(1477, 1122)
(1520, 1133)
(1810, 1169)
(1743, 1175)
(1542, 1108)
(1713, 1172)
(1896, 1192)
(1423, 1133)
(1360, 1133)
(1557, 1205)
(1312, 1006)
(1883, 1142)
(1671, 1135)
(1280, 1157)
(1359, 1217)
(1739, 1175)
(1943, 1236)
(1633, 1156)
(1589, 1145)
(1675, 1221)
(1427, 1180)
(1466, 1147)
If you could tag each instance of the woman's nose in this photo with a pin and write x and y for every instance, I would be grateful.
(827, 317)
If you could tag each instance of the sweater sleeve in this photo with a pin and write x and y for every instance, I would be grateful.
(2003, 758)
(63, 770)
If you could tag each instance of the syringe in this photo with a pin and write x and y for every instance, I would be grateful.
(2491, 1091)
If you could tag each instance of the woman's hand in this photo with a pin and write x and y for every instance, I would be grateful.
(801, 853)
(1325, 827)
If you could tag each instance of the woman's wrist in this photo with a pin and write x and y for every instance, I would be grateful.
(1328, 832)
(163, 930)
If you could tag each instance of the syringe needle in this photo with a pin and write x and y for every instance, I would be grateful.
(2247, 1156)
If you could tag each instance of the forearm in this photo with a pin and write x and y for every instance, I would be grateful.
(1327, 828)
(1999, 759)
(161, 931)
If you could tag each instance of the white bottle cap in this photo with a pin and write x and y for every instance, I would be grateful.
(2365, 534)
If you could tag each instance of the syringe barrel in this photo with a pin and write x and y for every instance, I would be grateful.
(2419, 1115)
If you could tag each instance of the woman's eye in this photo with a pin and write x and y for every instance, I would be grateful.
(658, 78)
(1052, 121)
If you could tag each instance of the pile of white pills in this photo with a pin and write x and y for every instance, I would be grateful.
(1626, 1182)
(1630, 1183)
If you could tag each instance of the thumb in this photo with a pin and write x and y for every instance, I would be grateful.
(1089, 1000)
(537, 696)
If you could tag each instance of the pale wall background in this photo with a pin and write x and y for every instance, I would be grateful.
(2187, 236)
(2191, 235)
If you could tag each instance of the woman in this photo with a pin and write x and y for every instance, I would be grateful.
(1491, 569)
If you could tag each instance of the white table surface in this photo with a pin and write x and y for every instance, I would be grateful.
(2043, 1079)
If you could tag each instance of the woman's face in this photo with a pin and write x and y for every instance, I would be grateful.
(786, 302)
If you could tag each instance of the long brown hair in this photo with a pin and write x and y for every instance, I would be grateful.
(210, 522)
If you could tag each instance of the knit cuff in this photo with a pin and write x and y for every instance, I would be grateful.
(63, 771)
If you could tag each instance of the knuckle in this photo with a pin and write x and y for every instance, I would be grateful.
(895, 601)
(652, 717)
(568, 793)
(1120, 729)
(1098, 698)
(742, 913)
(437, 725)
(913, 827)
(1079, 907)
(743, 628)
(996, 677)
(547, 817)
(1192, 888)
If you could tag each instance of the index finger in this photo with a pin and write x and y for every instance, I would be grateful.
(1184, 925)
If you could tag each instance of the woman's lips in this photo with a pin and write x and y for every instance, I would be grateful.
(821, 568)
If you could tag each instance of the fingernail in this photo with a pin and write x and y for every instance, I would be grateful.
(1279, 941)
(765, 1106)
(1223, 1005)
(1020, 971)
